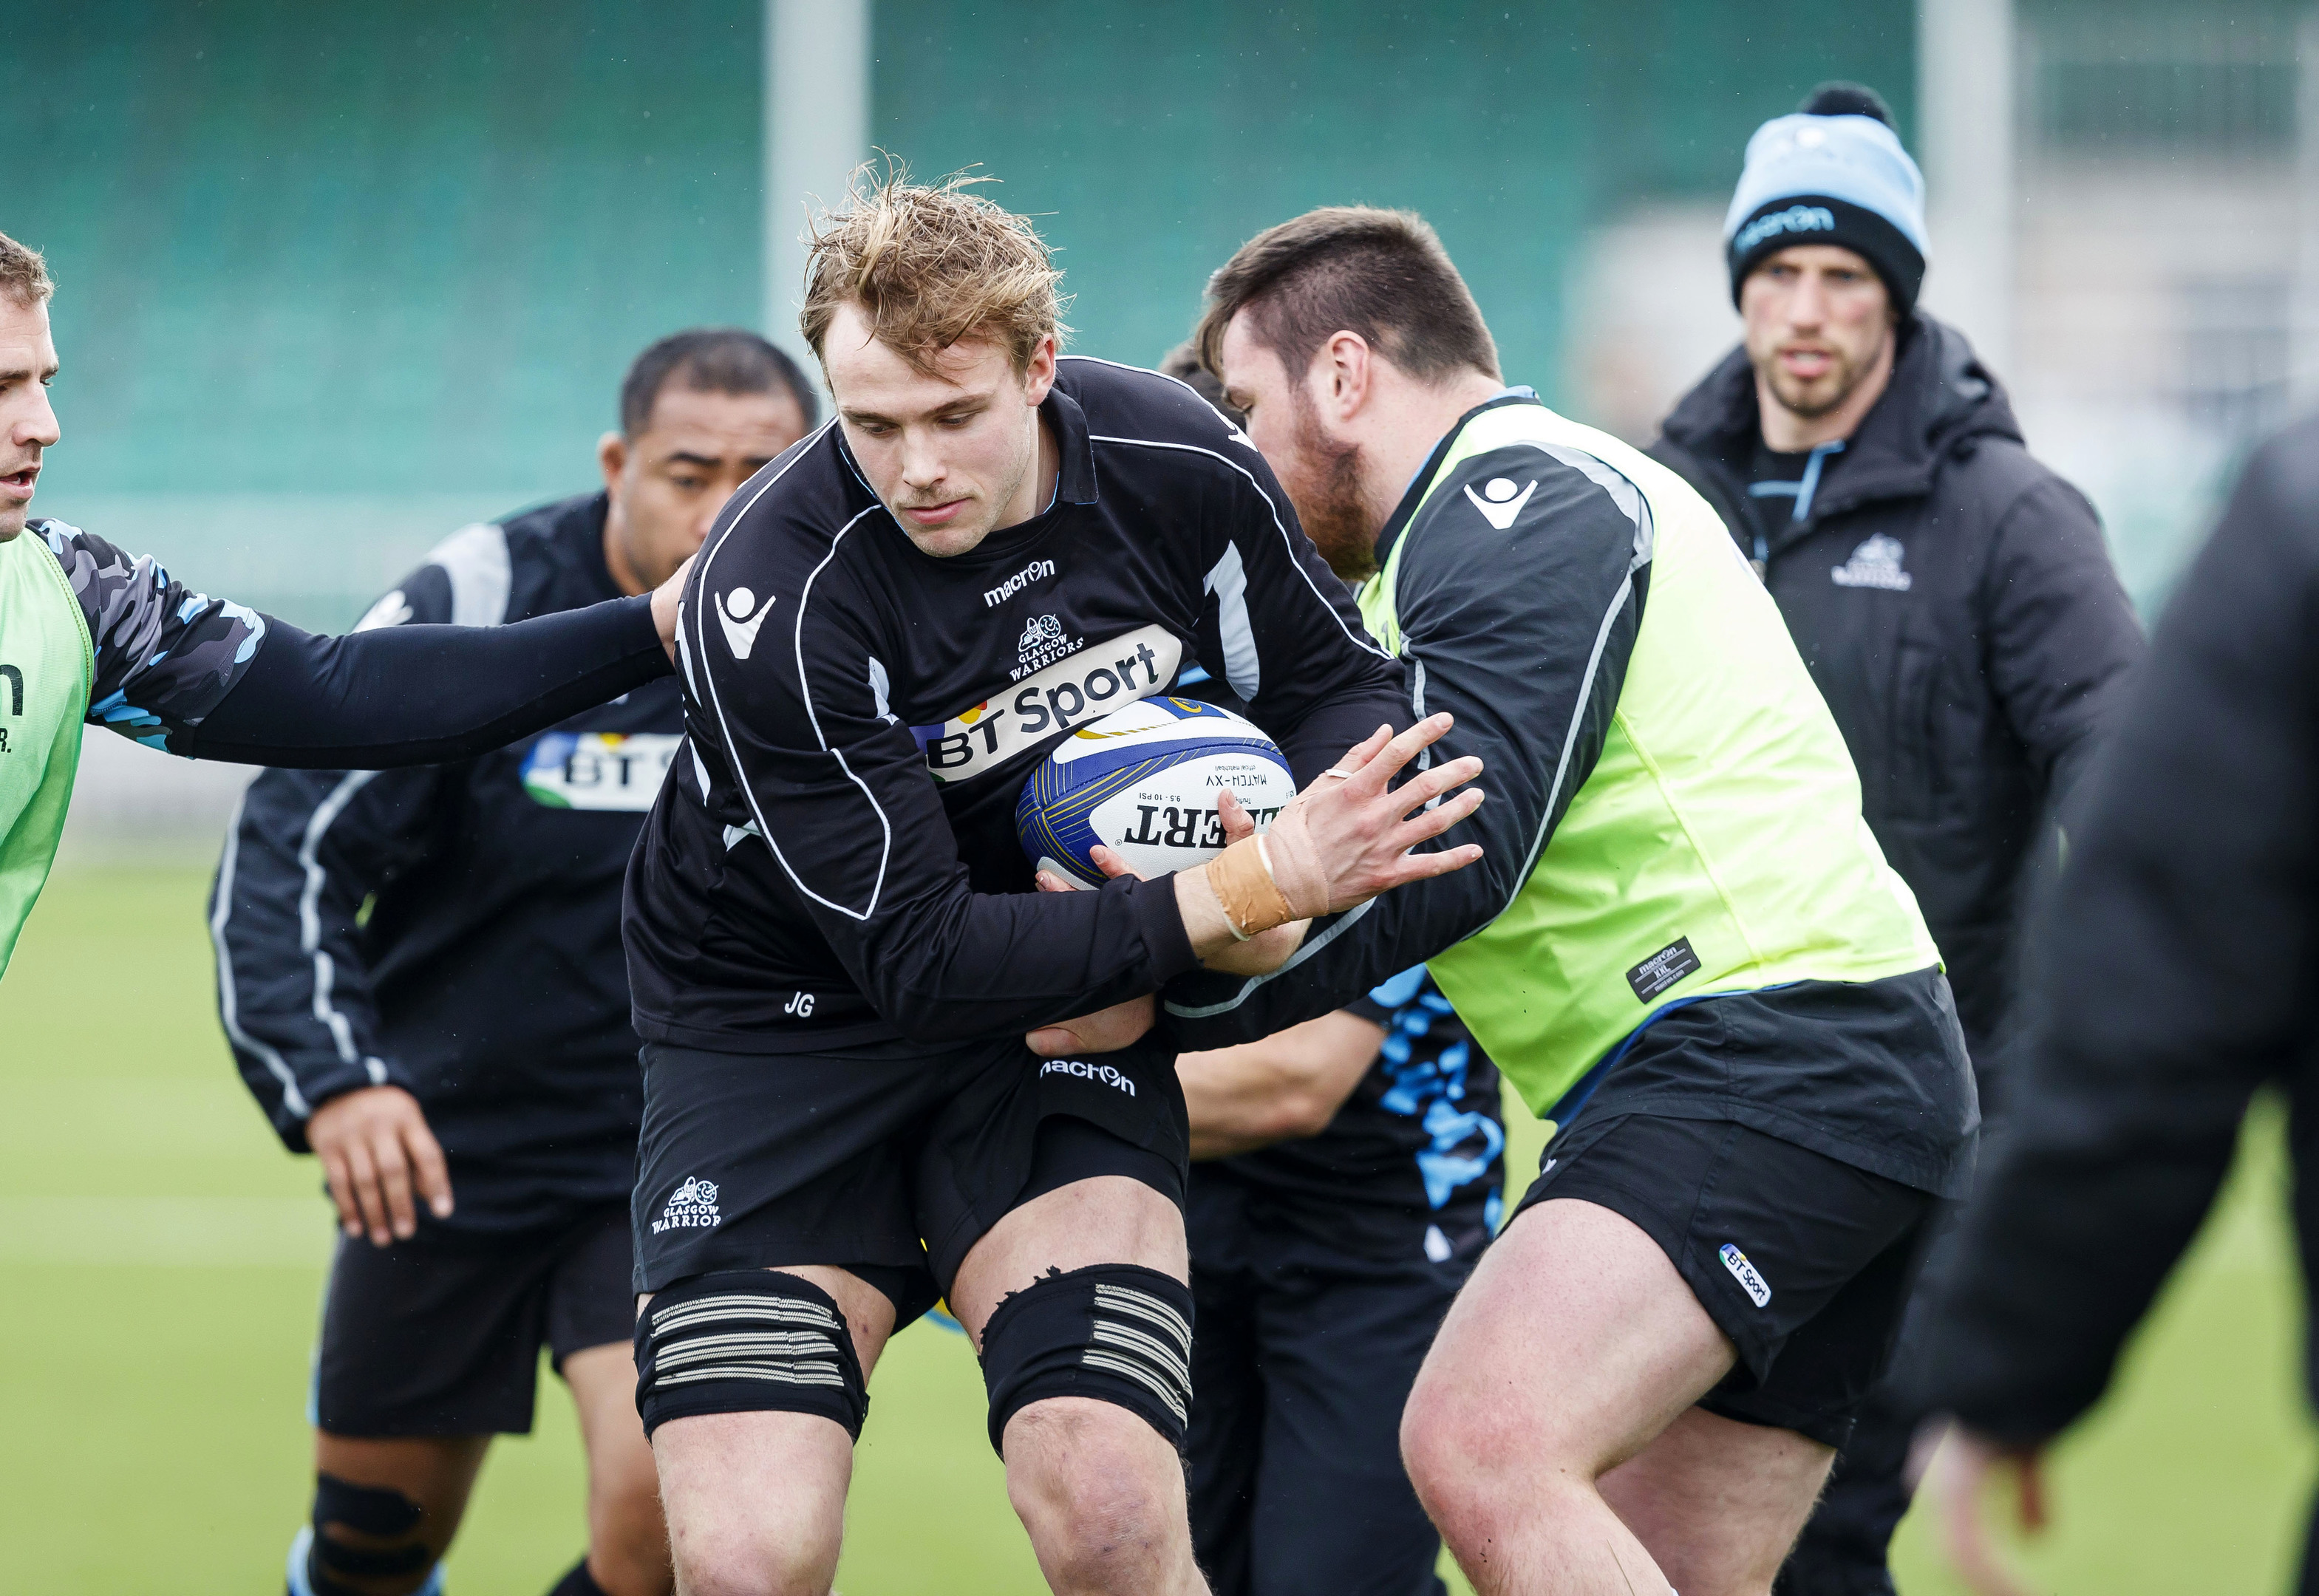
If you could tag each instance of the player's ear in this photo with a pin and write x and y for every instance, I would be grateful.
(612, 459)
(1348, 371)
(1039, 374)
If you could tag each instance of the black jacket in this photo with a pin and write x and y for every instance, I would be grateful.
(1969, 665)
(486, 976)
(2177, 972)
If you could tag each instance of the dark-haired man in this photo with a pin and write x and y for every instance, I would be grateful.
(1345, 1175)
(1680, 944)
(1951, 596)
(421, 975)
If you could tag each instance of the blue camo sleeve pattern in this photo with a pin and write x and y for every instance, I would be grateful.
(166, 655)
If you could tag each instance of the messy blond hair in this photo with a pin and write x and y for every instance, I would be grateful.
(930, 264)
(23, 274)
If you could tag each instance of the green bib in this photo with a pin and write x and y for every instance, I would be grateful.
(1718, 844)
(46, 665)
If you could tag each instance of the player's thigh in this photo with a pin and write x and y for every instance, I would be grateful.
(1718, 1502)
(1106, 1219)
(603, 1384)
(1575, 1343)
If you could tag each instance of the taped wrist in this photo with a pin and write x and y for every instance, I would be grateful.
(747, 1341)
(1117, 1333)
(1241, 879)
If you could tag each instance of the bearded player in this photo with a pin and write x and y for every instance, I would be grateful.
(833, 946)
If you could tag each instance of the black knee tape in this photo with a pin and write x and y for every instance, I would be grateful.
(372, 1510)
(747, 1341)
(1117, 1333)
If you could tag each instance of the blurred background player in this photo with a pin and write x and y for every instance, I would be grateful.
(2171, 981)
(95, 636)
(421, 975)
(1345, 1175)
(1953, 599)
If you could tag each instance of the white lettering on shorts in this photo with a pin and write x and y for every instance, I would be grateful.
(1744, 1272)
(1106, 1073)
(692, 1207)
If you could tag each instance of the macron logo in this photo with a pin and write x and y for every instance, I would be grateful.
(1795, 219)
(1036, 571)
(1497, 502)
(733, 613)
(1080, 1068)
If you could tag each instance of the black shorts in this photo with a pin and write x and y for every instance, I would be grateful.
(1803, 1261)
(1305, 1351)
(440, 1335)
(889, 1168)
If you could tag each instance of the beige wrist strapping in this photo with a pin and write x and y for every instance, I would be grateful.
(1242, 879)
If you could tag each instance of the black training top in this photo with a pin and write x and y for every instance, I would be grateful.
(487, 977)
(834, 862)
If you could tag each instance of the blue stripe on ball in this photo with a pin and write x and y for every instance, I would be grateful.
(1054, 817)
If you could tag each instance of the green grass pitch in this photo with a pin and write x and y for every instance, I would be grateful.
(163, 1260)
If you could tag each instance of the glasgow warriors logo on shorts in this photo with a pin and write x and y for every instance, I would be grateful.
(692, 1207)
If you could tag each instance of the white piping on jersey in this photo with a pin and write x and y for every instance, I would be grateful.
(310, 919)
(475, 559)
(716, 701)
(1637, 510)
(229, 1002)
(1228, 581)
(1358, 639)
(1237, 436)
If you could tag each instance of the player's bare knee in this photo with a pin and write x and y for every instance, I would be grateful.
(628, 1536)
(1096, 1496)
(746, 1562)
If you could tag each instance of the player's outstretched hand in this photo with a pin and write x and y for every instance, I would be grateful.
(665, 602)
(376, 1152)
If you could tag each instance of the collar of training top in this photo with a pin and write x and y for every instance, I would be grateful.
(1398, 521)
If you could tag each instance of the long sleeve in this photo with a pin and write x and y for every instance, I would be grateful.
(2062, 636)
(838, 788)
(2170, 978)
(306, 848)
(1523, 635)
(207, 679)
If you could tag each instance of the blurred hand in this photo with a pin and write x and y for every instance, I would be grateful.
(1958, 1478)
(375, 1150)
(665, 602)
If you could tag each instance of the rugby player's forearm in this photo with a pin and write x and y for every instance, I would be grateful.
(1289, 1085)
(416, 695)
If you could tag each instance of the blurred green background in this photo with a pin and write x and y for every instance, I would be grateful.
(334, 280)
(164, 1258)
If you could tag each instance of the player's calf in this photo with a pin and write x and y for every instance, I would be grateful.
(365, 1540)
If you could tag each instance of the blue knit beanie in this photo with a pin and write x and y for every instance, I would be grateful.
(1833, 173)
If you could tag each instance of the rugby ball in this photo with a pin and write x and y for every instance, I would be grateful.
(1142, 781)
